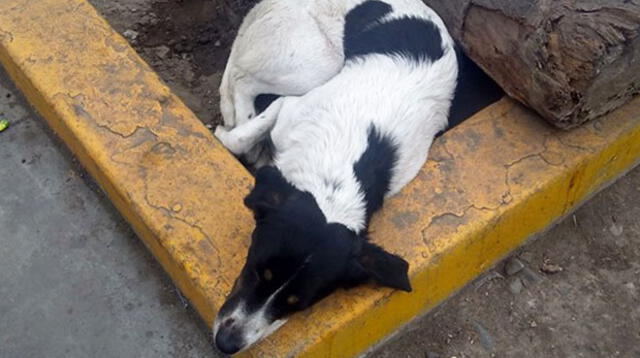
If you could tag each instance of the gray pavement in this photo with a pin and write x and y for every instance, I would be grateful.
(74, 280)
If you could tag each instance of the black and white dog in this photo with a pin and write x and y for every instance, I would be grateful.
(364, 88)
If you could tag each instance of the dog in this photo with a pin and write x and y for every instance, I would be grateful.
(353, 93)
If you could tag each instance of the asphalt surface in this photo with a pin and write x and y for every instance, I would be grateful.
(75, 281)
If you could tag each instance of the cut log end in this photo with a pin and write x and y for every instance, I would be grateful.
(569, 62)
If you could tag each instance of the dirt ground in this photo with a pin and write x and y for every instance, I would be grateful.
(576, 293)
(573, 293)
(186, 41)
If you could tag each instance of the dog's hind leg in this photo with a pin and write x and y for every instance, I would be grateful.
(243, 138)
(285, 48)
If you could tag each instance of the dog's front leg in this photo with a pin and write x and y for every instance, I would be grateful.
(241, 139)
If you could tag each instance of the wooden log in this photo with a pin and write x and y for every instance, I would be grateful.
(570, 60)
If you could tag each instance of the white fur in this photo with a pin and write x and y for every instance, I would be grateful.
(245, 137)
(320, 127)
(254, 325)
(285, 47)
(320, 134)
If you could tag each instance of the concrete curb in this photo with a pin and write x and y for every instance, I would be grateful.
(489, 184)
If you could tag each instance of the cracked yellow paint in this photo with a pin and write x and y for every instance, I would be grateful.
(161, 167)
(489, 184)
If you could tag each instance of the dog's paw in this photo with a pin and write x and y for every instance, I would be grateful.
(229, 140)
(220, 133)
(224, 136)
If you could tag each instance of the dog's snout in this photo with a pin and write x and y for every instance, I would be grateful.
(229, 338)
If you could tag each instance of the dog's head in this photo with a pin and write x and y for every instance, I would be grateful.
(295, 259)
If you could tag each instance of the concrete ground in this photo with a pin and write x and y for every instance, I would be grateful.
(76, 282)
(572, 292)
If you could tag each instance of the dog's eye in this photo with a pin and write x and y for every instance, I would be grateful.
(292, 300)
(268, 275)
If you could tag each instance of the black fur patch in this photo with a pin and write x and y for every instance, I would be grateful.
(263, 101)
(475, 91)
(365, 33)
(293, 240)
(374, 168)
(260, 104)
(296, 257)
(363, 17)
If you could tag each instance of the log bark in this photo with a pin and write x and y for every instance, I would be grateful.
(569, 60)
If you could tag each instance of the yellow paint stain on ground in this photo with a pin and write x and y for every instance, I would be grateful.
(489, 184)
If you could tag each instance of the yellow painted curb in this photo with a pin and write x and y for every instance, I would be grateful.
(165, 172)
(489, 184)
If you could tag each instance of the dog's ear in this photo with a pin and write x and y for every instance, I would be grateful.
(373, 262)
(270, 191)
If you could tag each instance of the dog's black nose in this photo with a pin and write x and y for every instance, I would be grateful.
(229, 340)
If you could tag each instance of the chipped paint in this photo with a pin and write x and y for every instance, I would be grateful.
(153, 157)
(489, 183)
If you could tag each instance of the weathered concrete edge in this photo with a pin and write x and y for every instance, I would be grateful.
(506, 231)
(42, 98)
(40, 102)
(393, 312)
(526, 241)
